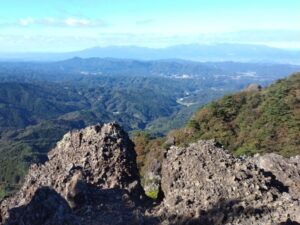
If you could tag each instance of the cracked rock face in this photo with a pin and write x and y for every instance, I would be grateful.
(86, 165)
(91, 178)
(286, 170)
(205, 184)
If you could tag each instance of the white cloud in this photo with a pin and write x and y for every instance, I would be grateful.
(63, 22)
(26, 21)
(71, 21)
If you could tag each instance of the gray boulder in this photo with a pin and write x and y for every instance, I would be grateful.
(204, 184)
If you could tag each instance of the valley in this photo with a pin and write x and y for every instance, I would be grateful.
(149, 112)
(39, 102)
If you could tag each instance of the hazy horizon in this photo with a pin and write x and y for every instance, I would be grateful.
(147, 47)
(64, 26)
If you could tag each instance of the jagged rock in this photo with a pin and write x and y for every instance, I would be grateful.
(91, 178)
(83, 163)
(204, 184)
(76, 191)
(286, 170)
(46, 207)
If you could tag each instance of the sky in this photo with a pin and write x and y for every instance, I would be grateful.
(69, 25)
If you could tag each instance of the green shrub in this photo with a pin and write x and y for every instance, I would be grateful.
(152, 194)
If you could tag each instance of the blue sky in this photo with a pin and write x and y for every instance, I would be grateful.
(66, 25)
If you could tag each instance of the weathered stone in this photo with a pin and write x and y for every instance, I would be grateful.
(85, 165)
(91, 178)
(286, 170)
(205, 184)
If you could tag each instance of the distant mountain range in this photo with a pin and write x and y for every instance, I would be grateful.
(217, 52)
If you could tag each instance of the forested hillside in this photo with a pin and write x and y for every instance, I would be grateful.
(254, 120)
(39, 102)
(251, 121)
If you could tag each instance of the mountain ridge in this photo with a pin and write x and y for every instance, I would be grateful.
(196, 52)
(251, 121)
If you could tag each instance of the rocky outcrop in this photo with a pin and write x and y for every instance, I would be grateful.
(205, 184)
(286, 170)
(92, 170)
(253, 87)
(91, 177)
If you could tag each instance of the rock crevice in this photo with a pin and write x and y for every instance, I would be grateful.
(92, 178)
